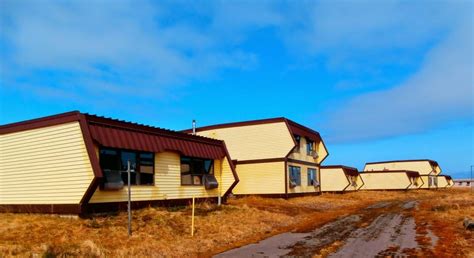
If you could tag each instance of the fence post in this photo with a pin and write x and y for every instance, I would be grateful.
(192, 219)
(129, 208)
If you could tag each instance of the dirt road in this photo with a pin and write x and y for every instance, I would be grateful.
(383, 229)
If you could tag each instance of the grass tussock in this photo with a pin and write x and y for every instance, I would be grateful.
(443, 212)
(165, 232)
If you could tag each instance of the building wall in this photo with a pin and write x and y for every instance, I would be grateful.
(442, 182)
(450, 182)
(48, 165)
(385, 181)
(300, 153)
(304, 187)
(426, 182)
(417, 182)
(262, 141)
(227, 177)
(168, 183)
(333, 180)
(261, 178)
(422, 167)
(357, 185)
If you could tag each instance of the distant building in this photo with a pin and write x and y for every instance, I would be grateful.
(445, 181)
(391, 180)
(463, 182)
(429, 170)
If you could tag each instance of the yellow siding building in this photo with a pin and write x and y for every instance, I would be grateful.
(428, 169)
(340, 179)
(450, 181)
(445, 181)
(76, 163)
(272, 156)
(391, 180)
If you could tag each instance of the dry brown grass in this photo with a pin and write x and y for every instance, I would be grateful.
(165, 232)
(443, 213)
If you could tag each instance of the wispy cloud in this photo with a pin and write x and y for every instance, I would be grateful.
(111, 47)
(440, 92)
(103, 50)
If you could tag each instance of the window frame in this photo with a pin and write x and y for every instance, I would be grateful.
(211, 170)
(308, 170)
(138, 159)
(310, 147)
(290, 174)
(298, 142)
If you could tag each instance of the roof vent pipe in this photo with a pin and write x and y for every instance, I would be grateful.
(194, 127)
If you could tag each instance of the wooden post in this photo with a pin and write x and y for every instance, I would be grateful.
(192, 219)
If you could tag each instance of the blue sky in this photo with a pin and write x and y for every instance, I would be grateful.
(379, 80)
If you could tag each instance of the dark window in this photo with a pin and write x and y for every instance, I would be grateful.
(309, 147)
(125, 156)
(193, 169)
(353, 181)
(295, 175)
(298, 141)
(141, 165)
(312, 178)
(432, 181)
(146, 162)
(109, 159)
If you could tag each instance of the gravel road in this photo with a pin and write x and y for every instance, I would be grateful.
(382, 229)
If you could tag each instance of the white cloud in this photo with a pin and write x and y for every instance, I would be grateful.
(366, 25)
(98, 49)
(440, 92)
(109, 46)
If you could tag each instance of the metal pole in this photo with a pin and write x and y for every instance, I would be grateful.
(129, 208)
(192, 219)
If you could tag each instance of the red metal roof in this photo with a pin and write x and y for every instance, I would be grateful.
(116, 133)
(303, 131)
(120, 134)
(347, 170)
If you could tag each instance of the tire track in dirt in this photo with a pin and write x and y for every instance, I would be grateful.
(382, 229)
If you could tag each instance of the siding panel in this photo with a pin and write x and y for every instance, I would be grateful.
(47, 165)
(333, 180)
(254, 141)
(385, 181)
(261, 178)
